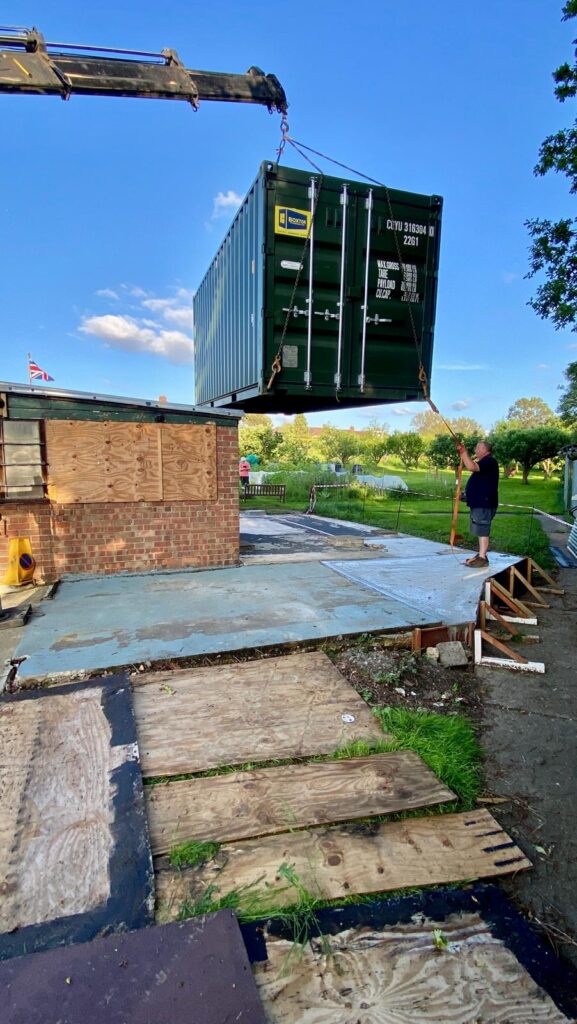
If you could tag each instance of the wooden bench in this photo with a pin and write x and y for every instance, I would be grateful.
(264, 491)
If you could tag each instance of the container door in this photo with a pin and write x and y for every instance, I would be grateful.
(392, 292)
(314, 343)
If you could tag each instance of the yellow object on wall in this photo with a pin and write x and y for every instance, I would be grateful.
(21, 564)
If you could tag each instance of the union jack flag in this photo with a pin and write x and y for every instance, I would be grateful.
(35, 373)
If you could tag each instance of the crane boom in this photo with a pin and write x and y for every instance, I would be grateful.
(28, 64)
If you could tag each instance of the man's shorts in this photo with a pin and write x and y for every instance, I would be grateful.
(480, 520)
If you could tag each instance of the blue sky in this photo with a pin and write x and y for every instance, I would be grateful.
(111, 209)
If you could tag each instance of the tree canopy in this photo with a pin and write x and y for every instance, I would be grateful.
(553, 251)
(528, 446)
(567, 407)
(529, 412)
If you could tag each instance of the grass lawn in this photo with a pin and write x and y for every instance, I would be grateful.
(426, 510)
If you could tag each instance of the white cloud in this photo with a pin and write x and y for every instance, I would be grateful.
(158, 305)
(509, 277)
(403, 411)
(572, 345)
(225, 203)
(543, 366)
(131, 335)
(181, 316)
(462, 366)
(463, 404)
(107, 293)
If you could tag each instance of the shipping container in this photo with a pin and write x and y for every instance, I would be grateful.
(346, 298)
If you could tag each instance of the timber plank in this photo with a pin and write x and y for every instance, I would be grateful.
(254, 803)
(191, 720)
(335, 862)
(395, 975)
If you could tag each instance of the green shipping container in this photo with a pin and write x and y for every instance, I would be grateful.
(362, 314)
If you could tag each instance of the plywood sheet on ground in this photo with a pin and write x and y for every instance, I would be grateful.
(336, 862)
(184, 973)
(397, 975)
(296, 706)
(74, 854)
(103, 462)
(189, 462)
(253, 803)
(436, 583)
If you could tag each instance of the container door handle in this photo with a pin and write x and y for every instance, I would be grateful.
(365, 306)
(308, 375)
(341, 313)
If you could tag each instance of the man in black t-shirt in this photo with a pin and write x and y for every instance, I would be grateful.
(482, 496)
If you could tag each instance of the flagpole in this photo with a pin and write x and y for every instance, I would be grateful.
(29, 377)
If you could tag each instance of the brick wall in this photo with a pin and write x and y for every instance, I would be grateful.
(131, 536)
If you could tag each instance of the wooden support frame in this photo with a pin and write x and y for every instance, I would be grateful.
(488, 612)
(519, 609)
(534, 569)
(516, 574)
(513, 660)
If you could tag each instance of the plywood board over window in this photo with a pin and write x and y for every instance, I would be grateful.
(95, 462)
(189, 462)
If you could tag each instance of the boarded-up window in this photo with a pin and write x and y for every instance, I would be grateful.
(21, 458)
(94, 462)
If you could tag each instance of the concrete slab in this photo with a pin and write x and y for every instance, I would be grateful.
(103, 622)
(442, 589)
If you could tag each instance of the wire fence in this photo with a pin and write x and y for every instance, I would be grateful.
(517, 527)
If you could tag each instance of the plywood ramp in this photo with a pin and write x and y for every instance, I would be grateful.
(276, 708)
(396, 975)
(254, 803)
(72, 816)
(335, 862)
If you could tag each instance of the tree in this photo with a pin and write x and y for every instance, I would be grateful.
(530, 412)
(443, 452)
(408, 447)
(256, 436)
(374, 442)
(339, 445)
(528, 447)
(567, 407)
(553, 249)
(428, 423)
(466, 426)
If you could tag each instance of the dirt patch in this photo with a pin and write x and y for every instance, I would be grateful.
(398, 678)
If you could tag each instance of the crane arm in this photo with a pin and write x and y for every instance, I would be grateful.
(28, 64)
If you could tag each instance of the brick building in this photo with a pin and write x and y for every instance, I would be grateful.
(101, 484)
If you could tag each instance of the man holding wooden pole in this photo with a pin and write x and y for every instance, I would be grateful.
(481, 495)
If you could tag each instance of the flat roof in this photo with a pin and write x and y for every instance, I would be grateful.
(143, 403)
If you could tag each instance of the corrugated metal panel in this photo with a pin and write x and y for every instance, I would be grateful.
(350, 337)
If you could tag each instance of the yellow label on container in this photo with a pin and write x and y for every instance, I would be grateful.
(288, 221)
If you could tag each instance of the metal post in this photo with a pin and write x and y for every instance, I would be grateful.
(365, 306)
(399, 511)
(344, 204)
(530, 531)
(308, 374)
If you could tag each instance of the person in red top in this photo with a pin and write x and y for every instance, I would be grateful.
(244, 471)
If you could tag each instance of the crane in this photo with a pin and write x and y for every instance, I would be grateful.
(29, 64)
